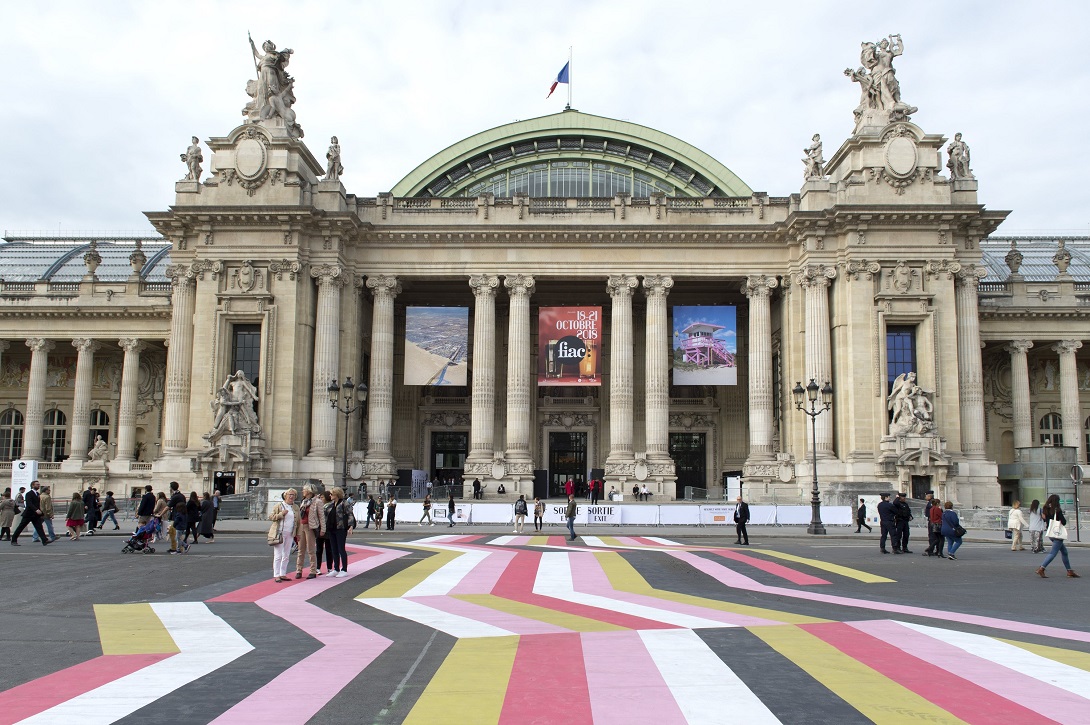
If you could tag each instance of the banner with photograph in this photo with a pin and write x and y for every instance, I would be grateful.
(569, 346)
(705, 345)
(436, 345)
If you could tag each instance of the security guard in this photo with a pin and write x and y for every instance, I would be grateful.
(887, 517)
(902, 515)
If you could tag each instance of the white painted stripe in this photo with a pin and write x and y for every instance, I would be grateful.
(1040, 668)
(660, 540)
(453, 624)
(207, 643)
(597, 541)
(706, 690)
(554, 579)
(501, 541)
(438, 538)
(446, 577)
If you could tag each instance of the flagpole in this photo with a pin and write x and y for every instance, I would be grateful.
(569, 77)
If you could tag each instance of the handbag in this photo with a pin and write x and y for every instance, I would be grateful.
(1056, 530)
(1008, 534)
(959, 531)
(276, 533)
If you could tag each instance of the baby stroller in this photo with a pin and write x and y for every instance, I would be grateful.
(143, 538)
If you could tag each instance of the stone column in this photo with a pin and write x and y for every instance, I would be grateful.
(179, 362)
(327, 356)
(815, 280)
(35, 399)
(519, 287)
(1023, 422)
(81, 401)
(4, 345)
(380, 398)
(970, 366)
(1069, 396)
(482, 425)
(620, 288)
(130, 384)
(758, 288)
(657, 351)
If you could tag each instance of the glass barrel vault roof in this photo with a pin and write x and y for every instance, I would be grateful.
(60, 259)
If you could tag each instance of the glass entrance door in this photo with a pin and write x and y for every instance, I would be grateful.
(690, 461)
(449, 452)
(567, 459)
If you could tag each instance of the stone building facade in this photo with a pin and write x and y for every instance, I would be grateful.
(883, 263)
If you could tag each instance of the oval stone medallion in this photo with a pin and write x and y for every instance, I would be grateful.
(901, 156)
(249, 158)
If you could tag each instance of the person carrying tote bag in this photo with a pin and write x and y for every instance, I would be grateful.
(1057, 533)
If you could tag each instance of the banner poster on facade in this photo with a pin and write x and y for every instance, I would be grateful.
(705, 345)
(436, 345)
(569, 346)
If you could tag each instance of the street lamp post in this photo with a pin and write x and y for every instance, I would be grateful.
(352, 403)
(811, 395)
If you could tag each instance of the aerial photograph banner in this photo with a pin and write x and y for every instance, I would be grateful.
(705, 345)
(436, 345)
(569, 346)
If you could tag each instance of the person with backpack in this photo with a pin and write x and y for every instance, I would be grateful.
(520, 513)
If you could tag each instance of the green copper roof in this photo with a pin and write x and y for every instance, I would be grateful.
(571, 136)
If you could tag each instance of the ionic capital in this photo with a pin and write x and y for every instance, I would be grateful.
(1019, 347)
(85, 344)
(39, 344)
(815, 275)
(657, 285)
(969, 275)
(519, 285)
(759, 285)
(131, 344)
(384, 285)
(1067, 347)
(621, 285)
(329, 274)
(484, 285)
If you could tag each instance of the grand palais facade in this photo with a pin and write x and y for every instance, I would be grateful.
(686, 307)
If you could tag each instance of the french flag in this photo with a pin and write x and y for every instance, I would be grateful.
(561, 77)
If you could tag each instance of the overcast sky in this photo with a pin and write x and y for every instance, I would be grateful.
(102, 97)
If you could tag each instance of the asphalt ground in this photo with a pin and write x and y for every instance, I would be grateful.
(48, 594)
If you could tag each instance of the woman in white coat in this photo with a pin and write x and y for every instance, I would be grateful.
(1016, 521)
(286, 514)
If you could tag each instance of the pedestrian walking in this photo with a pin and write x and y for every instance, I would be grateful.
(1016, 521)
(569, 513)
(176, 509)
(7, 514)
(32, 514)
(73, 517)
(1056, 533)
(861, 517)
(450, 506)
(391, 513)
(161, 512)
(427, 511)
(569, 487)
(192, 517)
(283, 533)
(951, 529)
(380, 510)
(934, 530)
(46, 502)
(89, 510)
(520, 513)
(1037, 527)
(146, 508)
(215, 508)
(902, 516)
(370, 512)
(886, 520)
(109, 509)
(539, 513)
(741, 518)
(207, 520)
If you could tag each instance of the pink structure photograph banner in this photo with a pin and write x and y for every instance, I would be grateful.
(569, 346)
(705, 345)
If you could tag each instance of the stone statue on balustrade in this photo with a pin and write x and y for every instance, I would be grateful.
(100, 451)
(333, 168)
(959, 159)
(880, 92)
(273, 90)
(814, 163)
(192, 159)
(910, 406)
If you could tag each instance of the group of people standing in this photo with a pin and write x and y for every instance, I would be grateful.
(377, 508)
(319, 524)
(184, 516)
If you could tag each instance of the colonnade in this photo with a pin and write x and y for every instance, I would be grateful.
(1070, 407)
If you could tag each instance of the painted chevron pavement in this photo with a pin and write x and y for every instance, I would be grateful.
(532, 629)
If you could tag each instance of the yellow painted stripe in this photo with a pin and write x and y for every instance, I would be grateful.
(470, 685)
(624, 577)
(612, 541)
(538, 541)
(530, 611)
(132, 629)
(400, 583)
(863, 576)
(871, 693)
(1072, 658)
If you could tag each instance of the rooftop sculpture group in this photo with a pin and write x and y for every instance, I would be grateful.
(272, 92)
(877, 80)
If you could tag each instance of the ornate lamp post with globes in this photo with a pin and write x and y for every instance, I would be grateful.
(352, 403)
(811, 395)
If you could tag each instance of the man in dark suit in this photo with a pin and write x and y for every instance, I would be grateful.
(741, 518)
(32, 514)
(887, 517)
(903, 514)
(147, 506)
(861, 517)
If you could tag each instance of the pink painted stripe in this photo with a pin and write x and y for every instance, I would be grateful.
(739, 581)
(771, 567)
(519, 540)
(268, 587)
(548, 683)
(485, 575)
(557, 541)
(51, 690)
(349, 649)
(625, 685)
(589, 577)
(644, 541)
(510, 622)
(994, 677)
(942, 686)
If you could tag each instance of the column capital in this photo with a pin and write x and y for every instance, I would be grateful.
(621, 285)
(1019, 347)
(759, 285)
(131, 344)
(329, 274)
(484, 285)
(39, 344)
(970, 275)
(815, 275)
(85, 344)
(384, 285)
(657, 285)
(1067, 346)
(181, 275)
(519, 285)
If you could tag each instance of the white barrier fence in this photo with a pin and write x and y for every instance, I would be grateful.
(613, 514)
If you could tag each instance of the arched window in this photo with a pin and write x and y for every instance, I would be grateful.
(1052, 426)
(100, 426)
(54, 434)
(11, 435)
